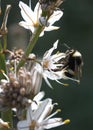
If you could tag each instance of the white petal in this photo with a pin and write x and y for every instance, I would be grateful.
(27, 26)
(58, 75)
(23, 125)
(48, 83)
(55, 44)
(58, 56)
(34, 106)
(55, 16)
(36, 101)
(41, 34)
(37, 10)
(49, 52)
(51, 123)
(29, 114)
(51, 28)
(52, 75)
(26, 12)
(43, 110)
(51, 65)
(39, 96)
(38, 68)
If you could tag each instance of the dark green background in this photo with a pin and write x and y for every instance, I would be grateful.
(76, 101)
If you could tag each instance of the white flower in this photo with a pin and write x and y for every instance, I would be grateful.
(40, 118)
(32, 19)
(52, 67)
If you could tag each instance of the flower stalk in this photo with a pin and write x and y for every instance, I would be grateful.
(30, 46)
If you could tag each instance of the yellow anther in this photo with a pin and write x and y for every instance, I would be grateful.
(66, 84)
(66, 121)
(12, 68)
(58, 110)
(2, 71)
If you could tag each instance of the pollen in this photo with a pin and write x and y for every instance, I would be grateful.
(58, 110)
(66, 85)
(46, 64)
(66, 121)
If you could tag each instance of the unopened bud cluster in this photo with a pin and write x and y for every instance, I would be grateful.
(15, 93)
(19, 87)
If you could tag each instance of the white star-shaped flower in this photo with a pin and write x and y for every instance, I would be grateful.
(52, 67)
(41, 119)
(32, 19)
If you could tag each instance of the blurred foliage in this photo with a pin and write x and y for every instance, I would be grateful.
(76, 31)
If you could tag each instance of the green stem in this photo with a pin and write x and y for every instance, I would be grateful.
(30, 46)
(2, 56)
(5, 41)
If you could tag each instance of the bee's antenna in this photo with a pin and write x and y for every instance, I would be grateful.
(66, 45)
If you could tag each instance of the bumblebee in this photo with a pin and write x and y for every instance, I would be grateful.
(73, 63)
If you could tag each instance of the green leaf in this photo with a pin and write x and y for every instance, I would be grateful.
(2, 62)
